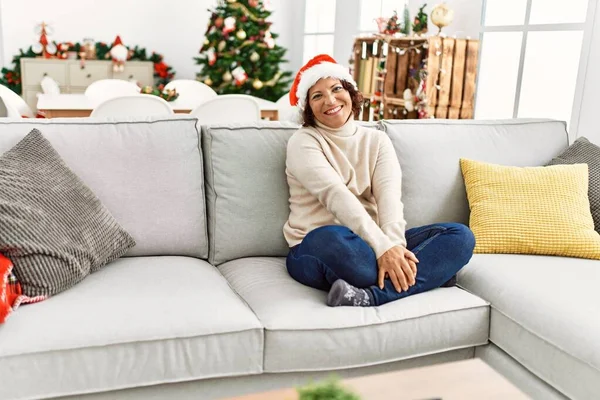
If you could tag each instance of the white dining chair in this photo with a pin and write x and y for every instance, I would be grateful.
(7, 110)
(105, 89)
(16, 102)
(227, 108)
(139, 105)
(49, 85)
(285, 110)
(191, 93)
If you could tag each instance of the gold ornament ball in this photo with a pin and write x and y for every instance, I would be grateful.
(227, 76)
(254, 57)
(206, 42)
(231, 1)
(221, 45)
(442, 16)
(257, 84)
(208, 82)
(241, 34)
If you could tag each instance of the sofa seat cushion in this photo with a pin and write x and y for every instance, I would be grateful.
(139, 321)
(544, 314)
(303, 334)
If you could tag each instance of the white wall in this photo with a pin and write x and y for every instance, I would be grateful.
(589, 125)
(467, 16)
(174, 29)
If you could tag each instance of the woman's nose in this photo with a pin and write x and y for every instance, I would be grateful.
(330, 98)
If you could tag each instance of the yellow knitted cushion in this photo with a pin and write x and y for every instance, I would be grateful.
(531, 210)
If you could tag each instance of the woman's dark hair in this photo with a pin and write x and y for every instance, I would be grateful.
(355, 96)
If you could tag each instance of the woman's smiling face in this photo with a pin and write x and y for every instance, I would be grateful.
(330, 102)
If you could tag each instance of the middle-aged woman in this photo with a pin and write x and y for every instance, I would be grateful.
(346, 228)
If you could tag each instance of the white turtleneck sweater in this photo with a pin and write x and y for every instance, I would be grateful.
(348, 176)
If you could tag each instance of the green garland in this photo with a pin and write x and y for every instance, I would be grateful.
(11, 78)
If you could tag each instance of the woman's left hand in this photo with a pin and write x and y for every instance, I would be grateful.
(410, 257)
(399, 265)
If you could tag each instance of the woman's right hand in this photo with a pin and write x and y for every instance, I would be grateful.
(399, 264)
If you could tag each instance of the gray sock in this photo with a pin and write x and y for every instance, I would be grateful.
(344, 294)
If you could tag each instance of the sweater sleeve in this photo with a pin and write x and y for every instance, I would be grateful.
(309, 165)
(387, 189)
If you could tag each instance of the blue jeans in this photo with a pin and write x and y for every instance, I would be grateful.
(335, 252)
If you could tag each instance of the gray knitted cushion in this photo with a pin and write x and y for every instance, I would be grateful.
(52, 226)
(584, 152)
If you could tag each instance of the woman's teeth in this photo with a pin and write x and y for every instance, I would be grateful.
(333, 110)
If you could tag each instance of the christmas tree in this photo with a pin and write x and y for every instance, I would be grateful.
(406, 21)
(239, 54)
(420, 25)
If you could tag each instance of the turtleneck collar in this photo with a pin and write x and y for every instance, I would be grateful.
(346, 130)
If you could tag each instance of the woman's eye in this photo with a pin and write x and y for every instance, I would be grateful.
(337, 88)
(316, 96)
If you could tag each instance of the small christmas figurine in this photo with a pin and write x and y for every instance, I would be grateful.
(392, 25)
(420, 24)
(119, 54)
(43, 47)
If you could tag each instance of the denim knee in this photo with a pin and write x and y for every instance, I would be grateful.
(465, 241)
(325, 239)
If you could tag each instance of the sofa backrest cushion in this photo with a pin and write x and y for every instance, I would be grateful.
(246, 189)
(147, 173)
(433, 189)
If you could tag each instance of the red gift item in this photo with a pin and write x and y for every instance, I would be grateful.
(11, 294)
(10, 290)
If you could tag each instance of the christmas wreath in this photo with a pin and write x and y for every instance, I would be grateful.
(11, 78)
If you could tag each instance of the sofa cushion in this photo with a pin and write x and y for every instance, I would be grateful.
(147, 173)
(246, 191)
(429, 151)
(296, 317)
(582, 151)
(52, 226)
(531, 210)
(544, 314)
(139, 321)
(246, 188)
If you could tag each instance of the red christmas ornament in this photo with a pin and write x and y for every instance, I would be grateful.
(253, 3)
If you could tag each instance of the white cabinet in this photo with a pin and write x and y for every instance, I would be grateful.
(137, 71)
(72, 77)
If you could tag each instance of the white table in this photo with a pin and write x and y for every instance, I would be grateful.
(79, 105)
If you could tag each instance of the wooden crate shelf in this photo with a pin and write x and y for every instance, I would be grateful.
(383, 67)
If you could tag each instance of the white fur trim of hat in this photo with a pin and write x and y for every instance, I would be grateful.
(319, 71)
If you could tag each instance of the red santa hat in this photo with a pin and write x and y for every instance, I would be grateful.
(321, 66)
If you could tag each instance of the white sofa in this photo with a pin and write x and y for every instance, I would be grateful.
(202, 306)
